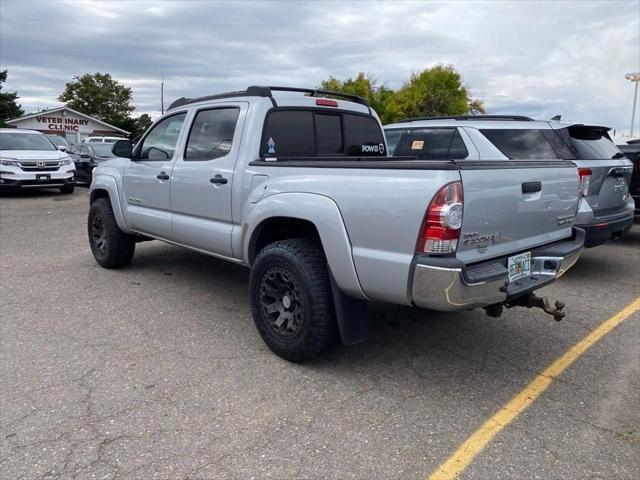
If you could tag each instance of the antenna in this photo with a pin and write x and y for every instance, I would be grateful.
(162, 95)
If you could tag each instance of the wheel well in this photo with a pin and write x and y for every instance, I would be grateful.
(96, 194)
(280, 228)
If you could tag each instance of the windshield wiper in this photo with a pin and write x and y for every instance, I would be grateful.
(618, 155)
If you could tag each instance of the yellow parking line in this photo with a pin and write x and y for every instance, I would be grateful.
(471, 447)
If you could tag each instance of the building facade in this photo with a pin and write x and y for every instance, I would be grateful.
(69, 123)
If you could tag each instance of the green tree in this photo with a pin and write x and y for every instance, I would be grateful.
(436, 91)
(136, 126)
(9, 108)
(143, 122)
(99, 95)
(364, 86)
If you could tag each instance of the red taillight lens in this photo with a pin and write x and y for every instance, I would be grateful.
(443, 221)
(585, 180)
(324, 102)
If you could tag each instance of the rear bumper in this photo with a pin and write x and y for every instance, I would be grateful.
(601, 232)
(446, 284)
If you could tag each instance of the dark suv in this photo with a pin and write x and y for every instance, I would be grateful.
(632, 150)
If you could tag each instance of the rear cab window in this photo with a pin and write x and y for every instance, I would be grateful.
(435, 143)
(300, 132)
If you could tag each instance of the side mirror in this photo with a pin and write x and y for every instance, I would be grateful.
(62, 148)
(123, 148)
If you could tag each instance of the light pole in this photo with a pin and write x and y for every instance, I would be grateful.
(634, 77)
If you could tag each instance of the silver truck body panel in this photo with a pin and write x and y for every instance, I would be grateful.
(496, 208)
(368, 218)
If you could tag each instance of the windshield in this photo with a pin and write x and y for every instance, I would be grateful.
(58, 140)
(589, 143)
(24, 141)
(103, 150)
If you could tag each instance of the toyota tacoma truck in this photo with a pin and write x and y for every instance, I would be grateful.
(296, 184)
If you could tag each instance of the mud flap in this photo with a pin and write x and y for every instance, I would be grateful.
(352, 316)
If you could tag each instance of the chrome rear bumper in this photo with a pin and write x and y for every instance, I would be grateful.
(445, 288)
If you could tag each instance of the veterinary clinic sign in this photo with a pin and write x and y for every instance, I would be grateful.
(61, 124)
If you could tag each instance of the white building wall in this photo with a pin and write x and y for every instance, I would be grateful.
(74, 127)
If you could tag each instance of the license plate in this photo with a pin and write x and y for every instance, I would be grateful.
(43, 177)
(519, 266)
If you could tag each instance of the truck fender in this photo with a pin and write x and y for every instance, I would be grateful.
(109, 185)
(326, 217)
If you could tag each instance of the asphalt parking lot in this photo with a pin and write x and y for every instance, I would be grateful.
(156, 371)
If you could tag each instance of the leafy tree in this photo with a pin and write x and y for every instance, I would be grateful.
(9, 108)
(363, 86)
(432, 92)
(137, 126)
(435, 91)
(143, 122)
(100, 96)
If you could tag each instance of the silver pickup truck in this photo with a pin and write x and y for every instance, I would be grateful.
(297, 185)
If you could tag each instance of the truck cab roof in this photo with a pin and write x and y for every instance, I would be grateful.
(283, 97)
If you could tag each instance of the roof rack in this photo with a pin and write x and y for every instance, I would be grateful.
(471, 117)
(259, 91)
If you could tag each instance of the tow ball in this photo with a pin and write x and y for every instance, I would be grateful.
(530, 300)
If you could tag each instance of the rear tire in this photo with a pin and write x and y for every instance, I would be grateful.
(111, 247)
(291, 299)
(67, 189)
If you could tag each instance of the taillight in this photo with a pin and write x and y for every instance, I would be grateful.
(585, 180)
(442, 223)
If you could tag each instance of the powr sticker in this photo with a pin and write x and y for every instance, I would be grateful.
(271, 146)
(417, 145)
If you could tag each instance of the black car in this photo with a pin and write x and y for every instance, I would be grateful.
(87, 157)
(632, 150)
(60, 142)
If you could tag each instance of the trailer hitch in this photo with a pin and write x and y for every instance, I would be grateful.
(531, 300)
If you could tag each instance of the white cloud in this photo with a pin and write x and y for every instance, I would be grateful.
(538, 58)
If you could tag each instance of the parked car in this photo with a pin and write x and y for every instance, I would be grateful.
(632, 150)
(101, 139)
(86, 157)
(606, 208)
(299, 188)
(28, 159)
(59, 142)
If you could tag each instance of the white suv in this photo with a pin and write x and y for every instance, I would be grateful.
(28, 159)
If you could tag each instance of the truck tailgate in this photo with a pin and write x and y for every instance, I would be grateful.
(512, 206)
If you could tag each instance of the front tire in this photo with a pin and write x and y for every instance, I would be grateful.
(291, 299)
(67, 189)
(111, 247)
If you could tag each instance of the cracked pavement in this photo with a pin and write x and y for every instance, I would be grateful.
(156, 371)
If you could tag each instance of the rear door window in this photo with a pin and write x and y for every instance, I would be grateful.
(521, 144)
(435, 144)
(211, 134)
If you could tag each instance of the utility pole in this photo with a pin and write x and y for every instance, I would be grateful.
(634, 77)
(162, 95)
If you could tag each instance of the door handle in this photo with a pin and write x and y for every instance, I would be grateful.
(162, 176)
(219, 179)
(531, 187)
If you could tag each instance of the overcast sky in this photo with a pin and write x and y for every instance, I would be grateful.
(535, 58)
